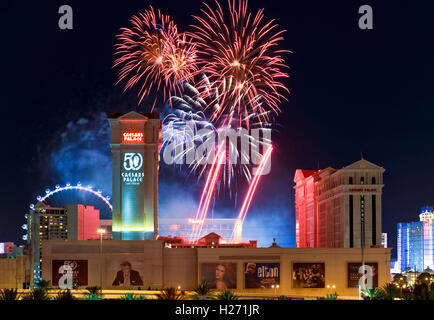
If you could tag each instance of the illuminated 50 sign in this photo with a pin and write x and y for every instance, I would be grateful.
(133, 162)
(132, 137)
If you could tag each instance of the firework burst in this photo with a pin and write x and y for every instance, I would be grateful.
(238, 51)
(192, 123)
(154, 56)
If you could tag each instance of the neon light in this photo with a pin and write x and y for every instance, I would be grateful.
(133, 229)
(194, 221)
(132, 137)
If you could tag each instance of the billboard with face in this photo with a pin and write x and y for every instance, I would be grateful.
(219, 275)
(60, 269)
(261, 275)
(354, 275)
(125, 273)
(308, 275)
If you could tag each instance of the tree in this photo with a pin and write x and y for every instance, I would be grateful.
(388, 292)
(370, 294)
(424, 278)
(400, 279)
(37, 294)
(93, 293)
(332, 296)
(9, 294)
(64, 295)
(43, 284)
(202, 292)
(170, 294)
(132, 296)
(227, 295)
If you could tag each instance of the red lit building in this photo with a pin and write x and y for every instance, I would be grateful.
(83, 222)
(339, 208)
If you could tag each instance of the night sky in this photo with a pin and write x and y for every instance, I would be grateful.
(353, 92)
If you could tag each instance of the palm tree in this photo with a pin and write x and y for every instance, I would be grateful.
(332, 296)
(370, 294)
(9, 294)
(93, 290)
(93, 293)
(43, 284)
(227, 295)
(132, 296)
(170, 294)
(388, 292)
(37, 294)
(202, 292)
(64, 295)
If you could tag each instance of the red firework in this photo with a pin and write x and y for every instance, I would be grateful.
(239, 52)
(154, 56)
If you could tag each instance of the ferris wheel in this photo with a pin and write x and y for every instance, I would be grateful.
(75, 194)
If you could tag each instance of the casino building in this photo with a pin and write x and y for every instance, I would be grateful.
(147, 261)
(73, 222)
(339, 208)
(297, 272)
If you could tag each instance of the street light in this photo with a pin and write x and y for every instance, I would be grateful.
(101, 231)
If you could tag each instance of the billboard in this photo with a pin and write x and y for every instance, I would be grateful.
(261, 275)
(354, 275)
(79, 268)
(125, 273)
(308, 275)
(219, 275)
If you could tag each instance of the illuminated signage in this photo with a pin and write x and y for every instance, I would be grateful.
(363, 190)
(132, 137)
(133, 162)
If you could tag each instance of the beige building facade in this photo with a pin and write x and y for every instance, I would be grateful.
(304, 272)
(15, 272)
(335, 208)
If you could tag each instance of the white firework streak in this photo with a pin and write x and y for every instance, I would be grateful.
(193, 122)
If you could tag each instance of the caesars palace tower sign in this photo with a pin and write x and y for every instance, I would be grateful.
(135, 144)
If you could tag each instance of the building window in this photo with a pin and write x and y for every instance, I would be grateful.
(362, 220)
(351, 180)
(362, 180)
(351, 221)
(373, 180)
(374, 220)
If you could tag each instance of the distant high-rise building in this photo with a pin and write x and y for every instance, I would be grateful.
(339, 208)
(73, 222)
(416, 242)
